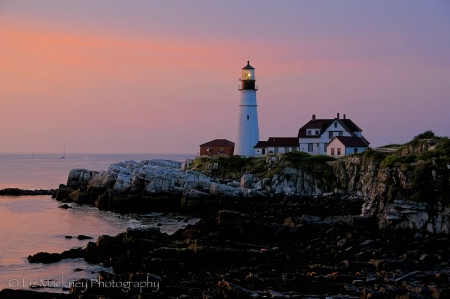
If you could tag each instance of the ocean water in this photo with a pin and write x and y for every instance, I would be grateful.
(31, 224)
(47, 171)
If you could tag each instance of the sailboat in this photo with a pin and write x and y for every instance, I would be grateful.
(64, 153)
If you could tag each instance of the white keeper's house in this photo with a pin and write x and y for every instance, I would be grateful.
(316, 137)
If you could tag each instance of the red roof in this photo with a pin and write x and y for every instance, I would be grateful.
(350, 141)
(323, 124)
(278, 142)
(218, 142)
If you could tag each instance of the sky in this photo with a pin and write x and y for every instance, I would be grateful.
(143, 76)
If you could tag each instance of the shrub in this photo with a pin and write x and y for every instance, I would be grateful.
(391, 161)
(395, 160)
(425, 135)
(370, 153)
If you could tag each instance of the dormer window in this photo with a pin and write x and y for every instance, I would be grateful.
(312, 132)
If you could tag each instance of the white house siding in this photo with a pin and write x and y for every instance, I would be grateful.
(318, 145)
(274, 150)
(323, 140)
(257, 152)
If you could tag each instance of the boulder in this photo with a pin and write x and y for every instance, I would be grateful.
(83, 237)
(78, 196)
(247, 180)
(63, 193)
(79, 178)
(150, 232)
(48, 258)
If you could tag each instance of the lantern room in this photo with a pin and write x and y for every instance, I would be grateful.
(248, 77)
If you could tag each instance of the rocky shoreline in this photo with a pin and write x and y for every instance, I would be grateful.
(303, 247)
(287, 226)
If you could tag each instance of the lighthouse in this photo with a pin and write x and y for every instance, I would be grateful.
(248, 130)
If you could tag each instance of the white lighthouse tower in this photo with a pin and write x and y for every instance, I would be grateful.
(248, 130)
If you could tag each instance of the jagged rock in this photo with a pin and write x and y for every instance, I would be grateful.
(144, 233)
(247, 180)
(78, 196)
(131, 185)
(226, 217)
(63, 192)
(194, 198)
(27, 294)
(47, 258)
(79, 178)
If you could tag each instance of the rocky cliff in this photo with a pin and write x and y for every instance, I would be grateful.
(407, 189)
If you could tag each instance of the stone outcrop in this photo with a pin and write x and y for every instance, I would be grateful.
(166, 185)
(390, 194)
(406, 195)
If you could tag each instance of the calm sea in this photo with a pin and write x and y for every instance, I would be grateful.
(47, 171)
(33, 224)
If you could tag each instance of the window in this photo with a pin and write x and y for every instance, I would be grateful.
(332, 151)
(341, 133)
(221, 150)
(275, 150)
(263, 151)
(295, 149)
(355, 150)
(209, 150)
(310, 147)
(286, 150)
(335, 124)
(308, 132)
(317, 132)
(248, 117)
(330, 135)
(318, 145)
(338, 151)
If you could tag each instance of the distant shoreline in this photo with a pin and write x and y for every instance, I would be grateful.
(24, 192)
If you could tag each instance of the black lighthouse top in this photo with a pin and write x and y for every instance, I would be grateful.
(248, 77)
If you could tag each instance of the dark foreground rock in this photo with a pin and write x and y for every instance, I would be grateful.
(48, 258)
(272, 253)
(24, 192)
(299, 248)
(26, 294)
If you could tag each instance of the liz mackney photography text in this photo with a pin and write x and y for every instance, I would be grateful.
(62, 283)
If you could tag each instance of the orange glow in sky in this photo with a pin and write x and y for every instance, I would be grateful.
(140, 77)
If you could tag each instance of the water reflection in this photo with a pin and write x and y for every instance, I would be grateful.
(34, 224)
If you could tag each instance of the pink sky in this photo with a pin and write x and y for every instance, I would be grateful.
(111, 76)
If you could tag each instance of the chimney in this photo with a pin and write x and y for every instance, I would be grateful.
(313, 117)
(337, 116)
(344, 116)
